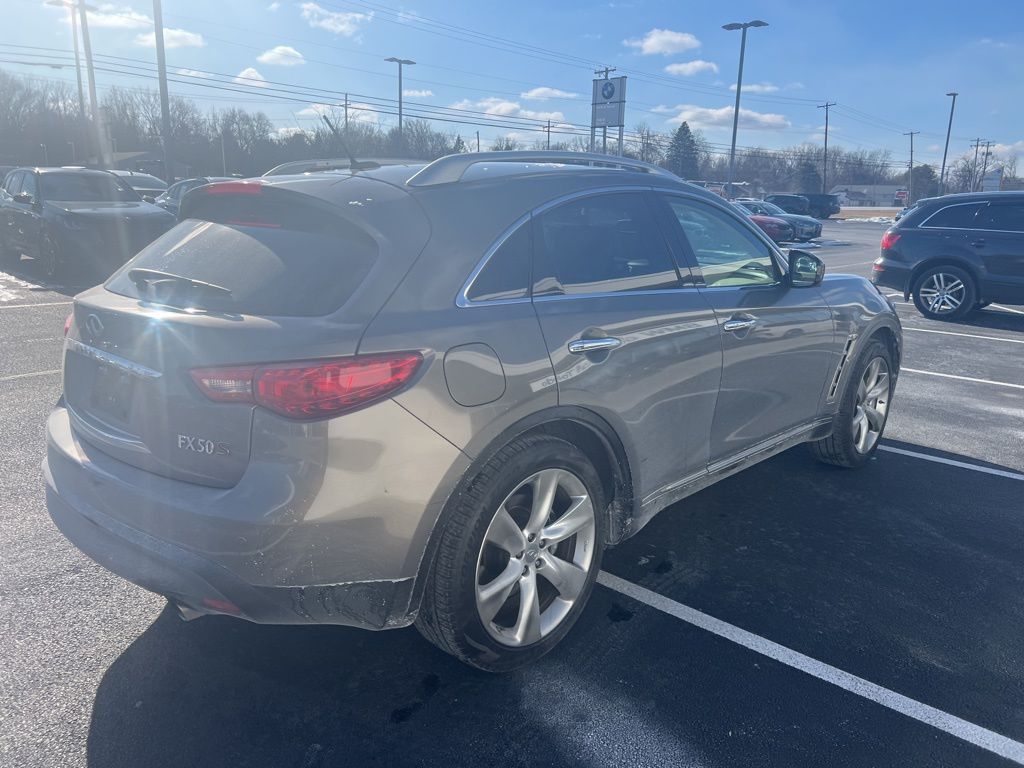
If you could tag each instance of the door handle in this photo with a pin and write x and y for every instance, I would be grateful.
(739, 324)
(583, 346)
(979, 243)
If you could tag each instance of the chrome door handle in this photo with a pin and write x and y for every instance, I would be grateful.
(739, 325)
(583, 346)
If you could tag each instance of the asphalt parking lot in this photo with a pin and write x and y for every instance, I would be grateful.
(794, 615)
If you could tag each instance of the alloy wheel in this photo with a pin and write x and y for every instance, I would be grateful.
(943, 293)
(872, 405)
(536, 557)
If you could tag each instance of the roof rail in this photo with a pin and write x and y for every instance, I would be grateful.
(450, 168)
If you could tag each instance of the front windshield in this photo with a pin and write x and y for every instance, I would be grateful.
(86, 188)
(771, 208)
(145, 181)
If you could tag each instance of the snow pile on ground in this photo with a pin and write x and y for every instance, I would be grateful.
(872, 219)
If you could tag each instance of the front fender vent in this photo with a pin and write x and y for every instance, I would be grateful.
(834, 387)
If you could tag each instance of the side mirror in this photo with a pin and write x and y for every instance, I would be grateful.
(805, 269)
(24, 198)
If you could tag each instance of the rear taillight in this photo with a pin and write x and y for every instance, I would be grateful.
(67, 323)
(312, 389)
(889, 239)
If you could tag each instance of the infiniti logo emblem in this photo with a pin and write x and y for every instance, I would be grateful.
(94, 326)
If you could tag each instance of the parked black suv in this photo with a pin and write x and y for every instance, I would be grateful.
(75, 217)
(956, 253)
(797, 204)
(821, 206)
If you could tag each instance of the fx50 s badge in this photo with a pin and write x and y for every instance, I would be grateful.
(202, 445)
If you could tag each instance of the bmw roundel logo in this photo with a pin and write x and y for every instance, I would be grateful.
(608, 89)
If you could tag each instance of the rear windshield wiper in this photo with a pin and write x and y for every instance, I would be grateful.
(154, 279)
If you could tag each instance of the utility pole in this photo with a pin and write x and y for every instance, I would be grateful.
(739, 86)
(910, 184)
(478, 141)
(46, 154)
(549, 135)
(346, 114)
(165, 105)
(824, 170)
(945, 152)
(101, 146)
(974, 168)
(984, 166)
(401, 63)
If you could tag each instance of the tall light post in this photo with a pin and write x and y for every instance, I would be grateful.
(46, 154)
(73, 14)
(401, 63)
(949, 129)
(165, 108)
(94, 111)
(739, 85)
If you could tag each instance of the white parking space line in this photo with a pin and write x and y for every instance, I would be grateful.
(40, 304)
(28, 375)
(951, 724)
(965, 335)
(953, 462)
(962, 378)
(1008, 309)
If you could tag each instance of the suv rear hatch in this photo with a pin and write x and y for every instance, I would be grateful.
(255, 273)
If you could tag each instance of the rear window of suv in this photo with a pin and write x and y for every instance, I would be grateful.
(275, 259)
(954, 216)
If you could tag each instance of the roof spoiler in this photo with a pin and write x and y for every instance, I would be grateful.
(451, 168)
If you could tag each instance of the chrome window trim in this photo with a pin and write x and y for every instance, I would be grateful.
(982, 204)
(610, 294)
(109, 358)
(463, 300)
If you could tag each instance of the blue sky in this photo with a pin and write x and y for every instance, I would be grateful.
(888, 65)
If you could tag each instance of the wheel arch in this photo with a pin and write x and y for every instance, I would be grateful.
(580, 426)
(942, 261)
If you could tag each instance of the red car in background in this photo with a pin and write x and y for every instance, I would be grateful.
(777, 229)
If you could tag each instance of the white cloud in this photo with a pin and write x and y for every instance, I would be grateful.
(417, 93)
(991, 43)
(345, 23)
(273, 6)
(756, 88)
(110, 16)
(687, 68)
(287, 131)
(1016, 148)
(663, 41)
(704, 117)
(192, 73)
(173, 38)
(505, 108)
(794, 86)
(361, 113)
(250, 76)
(543, 93)
(282, 56)
(314, 110)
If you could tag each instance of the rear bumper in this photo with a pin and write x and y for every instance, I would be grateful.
(201, 586)
(286, 545)
(887, 274)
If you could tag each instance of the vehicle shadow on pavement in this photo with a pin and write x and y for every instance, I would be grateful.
(76, 281)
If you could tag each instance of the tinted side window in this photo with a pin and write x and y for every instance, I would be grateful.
(1004, 217)
(602, 244)
(14, 182)
(506, 275)
(727, 253)
(956, 216)
(28, 184)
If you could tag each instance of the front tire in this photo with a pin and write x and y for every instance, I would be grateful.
(49, 257)
(944, 293)
(863, 411)
(518, 556)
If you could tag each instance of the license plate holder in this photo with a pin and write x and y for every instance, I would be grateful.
(112, 392)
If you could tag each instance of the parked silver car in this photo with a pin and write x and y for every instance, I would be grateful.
(435, 394)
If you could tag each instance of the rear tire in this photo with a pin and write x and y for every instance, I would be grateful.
(944, 293)
(49, 257)
(863, 410)
(492, 605)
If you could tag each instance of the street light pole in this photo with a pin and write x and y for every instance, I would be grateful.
(401, 63)
(46, 154)
(824, 168)
(94, 110)
(165, 106)
(739, 85)
(949, 129)
(910, 184)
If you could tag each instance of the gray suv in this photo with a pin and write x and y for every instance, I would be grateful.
(436, 394)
